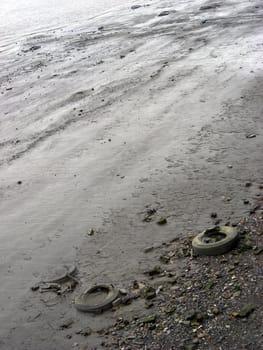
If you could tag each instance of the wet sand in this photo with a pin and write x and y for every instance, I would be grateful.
(98, 124)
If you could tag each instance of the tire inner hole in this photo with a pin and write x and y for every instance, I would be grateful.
(97, 296)
(213, 236)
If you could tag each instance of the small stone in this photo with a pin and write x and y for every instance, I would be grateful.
(19, 182)
(149, 292)
(230, 166)
(246, 310)
(246, 201)
(227, 295)
(148, 304)
(190, 315)
(86, 331)
(164, 259)
(156, 270)
(91, 232)
(213, 215)
(67, 324)
(99, 28)
(258, 250)
(122, 56)
(149, 319)
(251, 136)
(215, 311)
(248, 184)
(162, 221)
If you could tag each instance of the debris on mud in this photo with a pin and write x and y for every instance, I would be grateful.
(251, 136)
(135, 7)
(211, 302)
(163, 13)
(65, 282)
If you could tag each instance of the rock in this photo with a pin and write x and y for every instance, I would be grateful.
(156, 270)
(162, 221)
(163, 13)
(251, 136)
(248, 184)
(19, 182)
(213, 215)
(148, 304)
(216, 311)
(91, 232)
(99, 28)
(247, 244)
(149, 292)
(246, 201)
(122, 56)
(254, 209)
(149, 319)
(235, 313)
(190, 315)
(210, 284)
(164, 259)
(258, 250)
(86, 331)
(67, 324)
(246, 310)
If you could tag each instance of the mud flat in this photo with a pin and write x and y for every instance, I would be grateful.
(153, 108)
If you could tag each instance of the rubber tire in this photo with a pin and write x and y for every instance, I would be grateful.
(81, 305)
(215, 248)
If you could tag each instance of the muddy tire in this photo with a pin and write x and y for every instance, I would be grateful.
(86, 303)
(215, 241)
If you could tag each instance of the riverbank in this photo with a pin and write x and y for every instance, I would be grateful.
(133, 110)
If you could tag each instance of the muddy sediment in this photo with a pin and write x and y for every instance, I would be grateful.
(111, 126)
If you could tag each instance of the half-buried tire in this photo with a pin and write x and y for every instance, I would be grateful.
(97, 299)
(215, 241)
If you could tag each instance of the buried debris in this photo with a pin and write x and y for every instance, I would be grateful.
(250, 136)
(215, 241)
(64, 282)
(163, 13)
